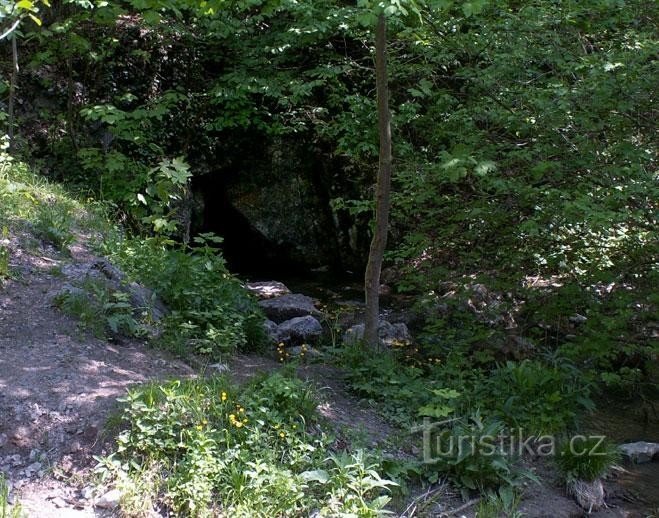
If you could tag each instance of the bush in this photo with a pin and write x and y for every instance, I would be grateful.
(211, 312)
(534, 396)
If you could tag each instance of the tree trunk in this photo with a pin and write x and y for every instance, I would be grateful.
(12, 93)
(383, 190)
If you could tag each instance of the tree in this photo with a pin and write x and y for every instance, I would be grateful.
(383, 188)
(15, 12)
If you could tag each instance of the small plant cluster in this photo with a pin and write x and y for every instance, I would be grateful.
(101, 310)
(7, 510)
(211, 313)
(206, 447)
(591, 460)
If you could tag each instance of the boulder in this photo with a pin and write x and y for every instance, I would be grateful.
(285, 307)
(270, 328)
(267, 289)
(640, 452)
(299, 330)
(391, 335)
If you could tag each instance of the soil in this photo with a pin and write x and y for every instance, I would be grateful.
(59, 386)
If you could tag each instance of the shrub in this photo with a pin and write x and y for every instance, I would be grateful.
(211, 312)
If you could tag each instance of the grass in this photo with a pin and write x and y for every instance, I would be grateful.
(7, 510)
(29, 202)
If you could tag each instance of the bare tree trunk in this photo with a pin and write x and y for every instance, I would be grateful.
(383, 189)
(12, 93)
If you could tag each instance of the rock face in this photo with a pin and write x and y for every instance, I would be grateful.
(391, 335)
(640, 452)
(286, 307)
(267, 289)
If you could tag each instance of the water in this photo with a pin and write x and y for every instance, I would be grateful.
(631, 421)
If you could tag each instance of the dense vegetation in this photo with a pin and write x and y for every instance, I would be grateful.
(523, 237)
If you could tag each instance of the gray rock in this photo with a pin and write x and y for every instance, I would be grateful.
(109, 500)
(640, 452)
(302, 351)
(390, 334)
(578, 319)
(100, 270)
(219, 367)
(32, 469)
(144, 298)
(270, 328)
(280, 309)
(58, 502)
(267, 289)
(299, 330)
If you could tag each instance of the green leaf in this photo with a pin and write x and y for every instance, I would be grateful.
(317, 475)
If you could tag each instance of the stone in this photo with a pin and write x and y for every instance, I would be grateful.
(270, 328)
(577, 319)
(58, 502)
(145, 298)
(299, 330)
(267, 289)
(305, 350)
(640, 452)
(285, 307)
(391, 335)
(32, 469)
(142, 299)
(109, 500)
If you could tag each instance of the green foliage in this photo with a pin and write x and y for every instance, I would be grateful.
(6, 510)
(587, 458)
(54, 222)
(500, 504)
(101, 310)
(535, 397)
(211, 313)
(469, 453)
(215, 448)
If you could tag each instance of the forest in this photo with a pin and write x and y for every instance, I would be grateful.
(339, 258)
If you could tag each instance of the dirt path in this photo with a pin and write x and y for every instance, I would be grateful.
(58, 385)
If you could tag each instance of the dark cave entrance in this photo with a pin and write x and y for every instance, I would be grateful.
(247, 251)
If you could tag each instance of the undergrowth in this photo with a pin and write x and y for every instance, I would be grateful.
(211, 313)
(206, 447)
